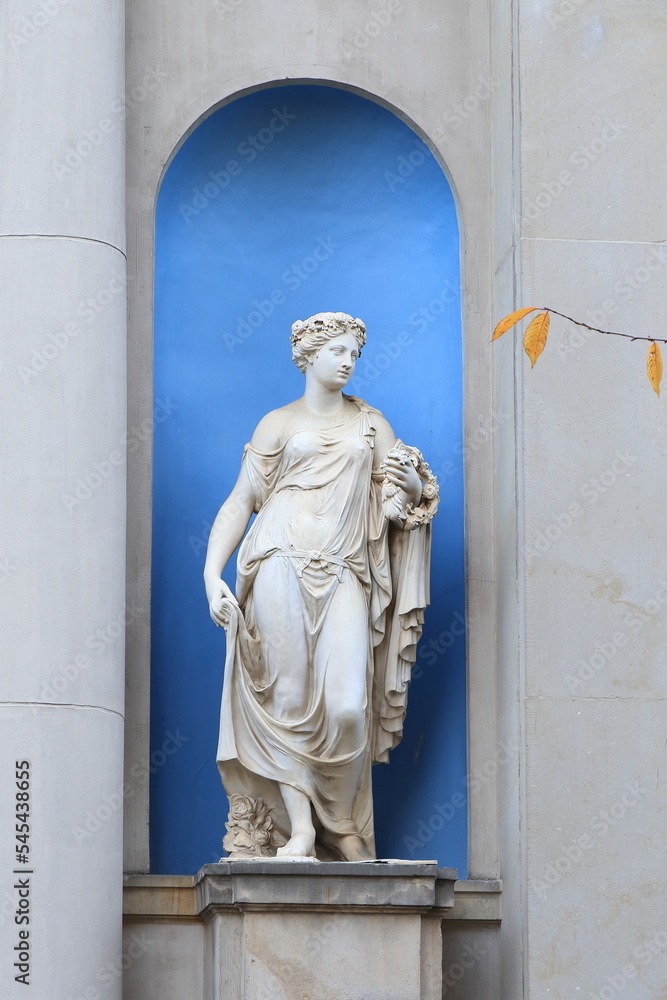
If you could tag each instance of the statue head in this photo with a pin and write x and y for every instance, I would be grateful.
(308, 335)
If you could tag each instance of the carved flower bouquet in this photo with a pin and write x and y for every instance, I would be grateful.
(250, 831)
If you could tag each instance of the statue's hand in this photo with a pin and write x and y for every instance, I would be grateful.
(218, 592)
(400, 471)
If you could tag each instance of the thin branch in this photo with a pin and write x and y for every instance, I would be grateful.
(596, 329)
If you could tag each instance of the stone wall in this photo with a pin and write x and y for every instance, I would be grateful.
(593, 442)
(547, 117)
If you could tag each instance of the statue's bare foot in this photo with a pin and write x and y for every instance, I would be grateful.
(301, 845)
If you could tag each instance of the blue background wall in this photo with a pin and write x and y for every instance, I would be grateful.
(284, 203)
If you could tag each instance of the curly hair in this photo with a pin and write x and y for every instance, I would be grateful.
(308, 335)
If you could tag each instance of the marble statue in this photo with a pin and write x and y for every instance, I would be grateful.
(332, 583)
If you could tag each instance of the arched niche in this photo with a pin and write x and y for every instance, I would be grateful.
(282, 203)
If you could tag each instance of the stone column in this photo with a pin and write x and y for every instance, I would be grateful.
(62, 462)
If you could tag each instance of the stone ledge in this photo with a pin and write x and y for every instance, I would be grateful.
(172, 897)
(343, 886)
(158, 897)
(476, 900)
(285, 866)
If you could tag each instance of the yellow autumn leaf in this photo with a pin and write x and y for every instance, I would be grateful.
(654, 365)
(536, 337)
(510, 321)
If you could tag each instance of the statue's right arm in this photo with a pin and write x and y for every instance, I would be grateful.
(231, 522)
(228, 529)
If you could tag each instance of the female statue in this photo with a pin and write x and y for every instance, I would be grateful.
(332, 583)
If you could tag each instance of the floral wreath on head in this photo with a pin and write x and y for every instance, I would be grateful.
(317, 329)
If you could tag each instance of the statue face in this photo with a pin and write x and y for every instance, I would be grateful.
(333, 365)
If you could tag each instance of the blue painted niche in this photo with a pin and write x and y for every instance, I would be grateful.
(286, 202)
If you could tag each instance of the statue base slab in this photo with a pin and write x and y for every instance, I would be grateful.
(280, 929)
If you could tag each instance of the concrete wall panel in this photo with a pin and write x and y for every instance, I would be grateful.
(165, 960)
(592, 119)
(63, 119)
(593, 461)
(64, 375)
(75, 858)
(597, 806)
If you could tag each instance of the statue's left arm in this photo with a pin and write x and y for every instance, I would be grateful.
(396, 466)
(409, 489)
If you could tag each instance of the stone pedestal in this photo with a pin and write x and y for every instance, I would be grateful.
(290, 930)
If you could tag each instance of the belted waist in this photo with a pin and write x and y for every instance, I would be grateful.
(305, 557)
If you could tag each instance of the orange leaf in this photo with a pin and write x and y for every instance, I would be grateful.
(654, 365)
(536, 337)
(510, 321)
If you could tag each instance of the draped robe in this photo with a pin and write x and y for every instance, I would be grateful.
(332, 599)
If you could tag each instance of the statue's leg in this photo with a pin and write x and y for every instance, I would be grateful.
(302, 841)
(279, 617)
(344, 647)
(318, 682)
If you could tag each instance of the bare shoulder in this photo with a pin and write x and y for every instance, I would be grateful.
(273, 428)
